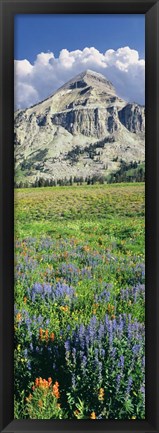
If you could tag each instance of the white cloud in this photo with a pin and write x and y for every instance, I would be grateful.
(36, 82)
(25, 94)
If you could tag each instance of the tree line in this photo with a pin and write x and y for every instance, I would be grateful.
(128, 172)
(41, 182)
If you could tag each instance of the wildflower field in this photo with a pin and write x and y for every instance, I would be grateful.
(80, 302)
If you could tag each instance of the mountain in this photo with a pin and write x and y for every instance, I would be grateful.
(83, 129)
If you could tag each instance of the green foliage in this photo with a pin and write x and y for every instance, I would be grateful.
(89, 150)
(128, 172)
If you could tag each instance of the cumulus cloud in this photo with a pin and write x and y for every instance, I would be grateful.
(123, 67)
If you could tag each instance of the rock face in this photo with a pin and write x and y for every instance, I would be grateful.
(84, 113)
(133, 118)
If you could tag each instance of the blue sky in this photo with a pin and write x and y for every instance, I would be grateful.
(36, 33)
(51, 49)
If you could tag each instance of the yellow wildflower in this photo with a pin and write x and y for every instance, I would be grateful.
(18, 317)
(101, 394)
(93, 415)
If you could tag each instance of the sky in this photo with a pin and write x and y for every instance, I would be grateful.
(51, 49)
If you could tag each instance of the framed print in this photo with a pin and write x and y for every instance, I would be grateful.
(79, 216)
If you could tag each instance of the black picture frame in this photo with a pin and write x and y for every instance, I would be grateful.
(8, 8)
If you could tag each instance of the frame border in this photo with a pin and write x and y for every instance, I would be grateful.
(8, 8)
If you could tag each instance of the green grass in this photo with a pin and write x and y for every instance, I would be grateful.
(98, 215)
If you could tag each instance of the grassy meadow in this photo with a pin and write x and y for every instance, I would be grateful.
(79, 302)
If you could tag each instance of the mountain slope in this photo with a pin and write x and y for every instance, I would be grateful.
(83, 129)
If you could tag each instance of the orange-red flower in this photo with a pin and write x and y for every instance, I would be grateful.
(43, 383)
(55, 390)
(52, 336)
(40, 333)
(49, 381)
(37, 382)
(46, 335)
(109, 307)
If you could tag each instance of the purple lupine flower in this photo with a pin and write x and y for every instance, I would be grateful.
(67, 345)
(142, 390)
(39, 319)
(38, 288)
(47, 289)
(102, 353)
(110, 332)
(135, 291)
(135, 329)
(96, 359)
(33, 297)
(107, 321)
(122, 294)
(31, 346)
(99, 372)
(81, 354)
(136, 349)
(74, 354)
(121, 362)
(87, 341)
(127, 294)
(130, 381)
(101, 331)
(93, 321)
(120, 325)
(118, 380)
(129, 331)
(91, 333)
(25, 352)
(81, 331)
(83, 362)
(29, 365)
(104, 296)
(73, 381)
(114, 325)
(113, 352)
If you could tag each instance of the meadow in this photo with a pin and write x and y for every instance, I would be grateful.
(80, 302)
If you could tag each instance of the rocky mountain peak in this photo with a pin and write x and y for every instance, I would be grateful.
(84, 128)
(90, 78)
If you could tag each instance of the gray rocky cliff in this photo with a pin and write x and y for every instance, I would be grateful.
(132, 116)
